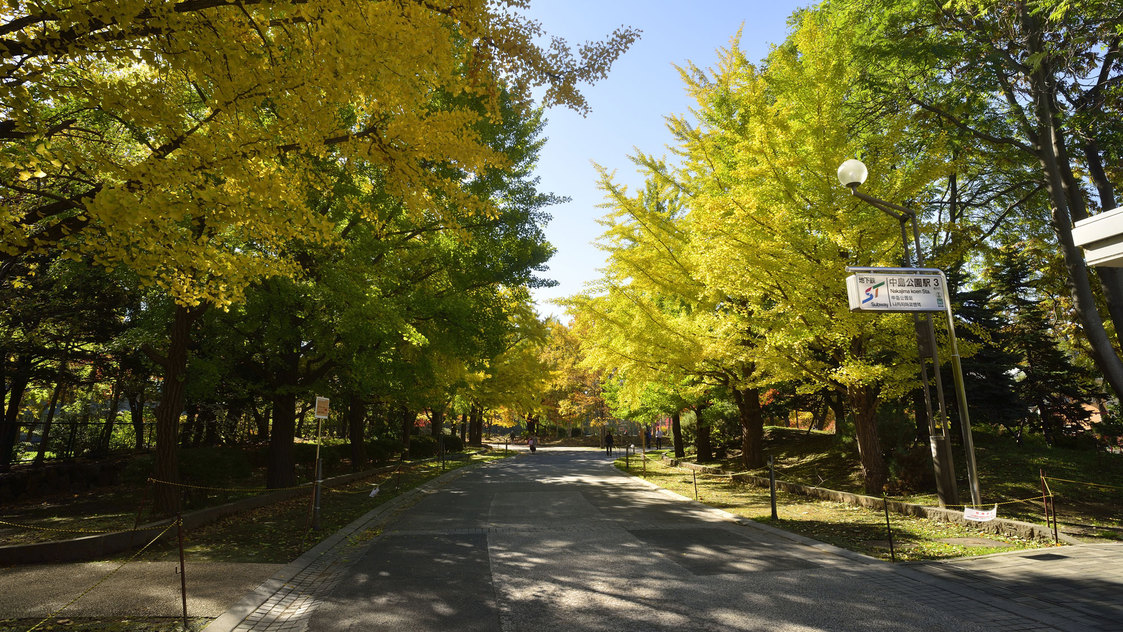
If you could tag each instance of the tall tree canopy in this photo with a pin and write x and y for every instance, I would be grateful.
(180, 138)
(201, 143)
(1036, 83)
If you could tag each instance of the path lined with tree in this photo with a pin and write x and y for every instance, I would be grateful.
(214, 212)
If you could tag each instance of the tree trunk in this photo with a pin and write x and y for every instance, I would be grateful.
(702, 436)
(68, 453)
(438, 421)
(676, 435)
(167, 500)
(406, 421)
(110, 420)
(300, 417)
(281, 466)
(261, 419)
(1067, 197)
(863, 403)
(476, 426)
(9, 430)
(233, 430)
(464, 427)
(136, 416)
(752, 427)
(921, 417)
(45, 436)
(208, 429)
(190, 420)
(356, 416)
(837, 403)
(819, 416)
(1111, 278)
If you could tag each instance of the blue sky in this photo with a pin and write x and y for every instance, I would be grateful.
(629, 107)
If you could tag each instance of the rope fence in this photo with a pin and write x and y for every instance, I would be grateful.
(155, 481)
(32, 527)
(1086, 483)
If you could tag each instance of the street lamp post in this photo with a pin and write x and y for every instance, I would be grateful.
(852, 173)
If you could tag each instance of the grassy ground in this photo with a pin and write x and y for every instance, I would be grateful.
(1087, 485)
(854, 528)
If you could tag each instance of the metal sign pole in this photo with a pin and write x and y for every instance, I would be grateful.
(316, 485)
(956, 365)
(322, 408)
(961, 398)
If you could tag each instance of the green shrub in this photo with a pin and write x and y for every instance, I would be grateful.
(331, 456)
(213, 466)
(910, 470)
(210, 466)
(138, 469)
(422, 447)
(383, 449)
(1085, 441)
(453, 443)
(258, 455)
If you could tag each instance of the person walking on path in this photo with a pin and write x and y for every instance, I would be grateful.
(658, 438)
(608, 441)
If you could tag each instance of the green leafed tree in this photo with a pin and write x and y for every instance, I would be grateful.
(1035, 81)
(183, 139)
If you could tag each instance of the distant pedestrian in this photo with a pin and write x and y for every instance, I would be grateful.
(647, 437)
(532, 442)
(658, 438)
(608, 441)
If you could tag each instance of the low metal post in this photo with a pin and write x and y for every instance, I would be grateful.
(1044, 495)
(318, 473)
(772, 486)
(182, 570)
(316, 496)
(889, 528)
(695, 473)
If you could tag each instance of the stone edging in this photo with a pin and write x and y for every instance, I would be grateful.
(705, 469)
(1000, 526)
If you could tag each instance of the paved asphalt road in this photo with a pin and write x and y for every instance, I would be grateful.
(560, 540)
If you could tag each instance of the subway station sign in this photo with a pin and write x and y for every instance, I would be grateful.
(874, 292)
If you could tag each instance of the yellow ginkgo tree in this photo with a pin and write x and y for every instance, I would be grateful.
(759, 170)
(181, 138)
